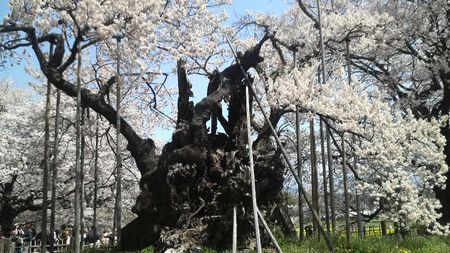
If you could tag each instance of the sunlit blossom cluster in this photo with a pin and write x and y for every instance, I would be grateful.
(401, 158)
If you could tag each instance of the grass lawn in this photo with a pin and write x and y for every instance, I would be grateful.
(416, 244)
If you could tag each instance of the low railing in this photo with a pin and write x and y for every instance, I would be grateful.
(7, 245)
(369, 231)
(35, 246)
(372, 231)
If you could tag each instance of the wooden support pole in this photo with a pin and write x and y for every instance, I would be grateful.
(324, 79)
(283, 152)
(96, 172)
(46, 165)
(54, 170)
(234, 246)
(78, 157)
(272, 238)
(329, 158)
(357, 195)
(299, 162)
(300, 174)
(252, 171)
(314, 175)
(118, 204)
(82, 158)
(346, 198)
(324, 176)
(331, 180)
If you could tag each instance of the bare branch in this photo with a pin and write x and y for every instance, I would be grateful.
(307, 12)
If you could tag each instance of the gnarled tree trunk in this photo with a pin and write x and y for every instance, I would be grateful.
(188, 199)
(188, 192)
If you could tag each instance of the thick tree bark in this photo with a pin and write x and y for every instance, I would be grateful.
(443, 195)
(185, 107)
(11, 206)
(201, 176)
(6, 220)
(7, 211)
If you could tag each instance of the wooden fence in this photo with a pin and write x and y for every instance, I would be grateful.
(9, 246)
(6, 245)
(372, 231)
(369, 231)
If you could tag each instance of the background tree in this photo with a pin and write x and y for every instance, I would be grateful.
(21, 124)
(21, 158)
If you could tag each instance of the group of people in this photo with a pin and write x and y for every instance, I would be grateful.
(24, 236)
(27, 239)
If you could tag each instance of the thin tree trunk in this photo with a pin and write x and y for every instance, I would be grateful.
(299, 172)
(357, 197)
(358, 214)
(331, 181)
(77, 158)
(46, 166)
(314, 176)
(82, 158)
(118, 204)
(383, 223)
(54, 170)
(397, 230)
(346, 199)
(324, 77)
(383, 228)
(324, 175)
(96, 175)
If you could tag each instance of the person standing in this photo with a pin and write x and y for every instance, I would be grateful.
(28, 237)
(17, 237)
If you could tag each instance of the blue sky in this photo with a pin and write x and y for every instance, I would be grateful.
(237, 9)
(21, 79)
